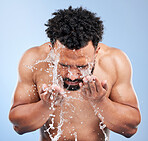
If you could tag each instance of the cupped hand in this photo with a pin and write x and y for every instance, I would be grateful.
(51, 95)
(92, 89)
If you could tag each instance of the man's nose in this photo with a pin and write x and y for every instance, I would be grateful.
(73, 74)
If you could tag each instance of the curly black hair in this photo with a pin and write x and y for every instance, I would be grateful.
(74, 28)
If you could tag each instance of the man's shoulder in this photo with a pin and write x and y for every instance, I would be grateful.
(120, 57)
(114, 53)
(39, 50)
(33, 54)
(114, 58)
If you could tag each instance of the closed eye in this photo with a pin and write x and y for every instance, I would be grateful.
(80, 67)
(63, 65)
(84, 66)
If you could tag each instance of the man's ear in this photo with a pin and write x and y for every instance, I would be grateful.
(97, 50)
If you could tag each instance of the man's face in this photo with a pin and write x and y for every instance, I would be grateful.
(74, 65)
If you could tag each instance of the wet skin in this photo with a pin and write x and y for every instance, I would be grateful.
(114, 94)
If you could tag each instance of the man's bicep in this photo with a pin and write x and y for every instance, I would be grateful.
(124, 94)
(26, 90)
(24, 94)
(123, 91)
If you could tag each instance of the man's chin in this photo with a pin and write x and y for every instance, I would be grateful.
(71, 87)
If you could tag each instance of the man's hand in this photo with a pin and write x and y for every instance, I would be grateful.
(92, 89)
(51, 96)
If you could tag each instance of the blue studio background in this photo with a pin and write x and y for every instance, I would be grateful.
(22, 27)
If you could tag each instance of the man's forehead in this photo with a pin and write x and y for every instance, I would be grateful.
(85, 52)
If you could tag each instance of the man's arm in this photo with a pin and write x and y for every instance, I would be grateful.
(120, 110)
(28, 111)
(123, 98)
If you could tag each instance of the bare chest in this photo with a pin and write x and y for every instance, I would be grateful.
(76, 114)
(74, 119)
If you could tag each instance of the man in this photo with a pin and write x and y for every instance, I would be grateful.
(75, 88)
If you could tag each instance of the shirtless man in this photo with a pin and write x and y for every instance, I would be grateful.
(95, 92)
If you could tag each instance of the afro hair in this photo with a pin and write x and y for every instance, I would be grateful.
(74, 28)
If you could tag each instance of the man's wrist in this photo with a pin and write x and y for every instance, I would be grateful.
(100, 102)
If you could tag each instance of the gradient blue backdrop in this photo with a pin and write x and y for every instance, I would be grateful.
(22, 27)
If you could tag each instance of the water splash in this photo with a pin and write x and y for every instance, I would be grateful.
(87, 71)
(101, 124)
(53, 60)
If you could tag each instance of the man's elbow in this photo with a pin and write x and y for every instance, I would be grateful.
(130, 133)
(13, 120)
(22, 130)
(18, 125)
(134, 127)
(18, 130)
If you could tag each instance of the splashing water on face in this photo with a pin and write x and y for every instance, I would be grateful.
(58, 80)
(87, 71)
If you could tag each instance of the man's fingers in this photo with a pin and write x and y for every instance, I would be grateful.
(104, 84)
(98, 85)
(57, 89)
(43, 88)
(45, 96)
(58, 100)
(86, 87)
(44, 92)
(92, 86)
(84, 93)
(89, 86)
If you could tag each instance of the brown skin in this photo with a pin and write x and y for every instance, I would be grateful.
(109, 88)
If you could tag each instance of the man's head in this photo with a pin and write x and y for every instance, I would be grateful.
(74, 65)
(74, 28)
(75, 34)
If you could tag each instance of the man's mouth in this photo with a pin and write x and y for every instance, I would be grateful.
(72, 83)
